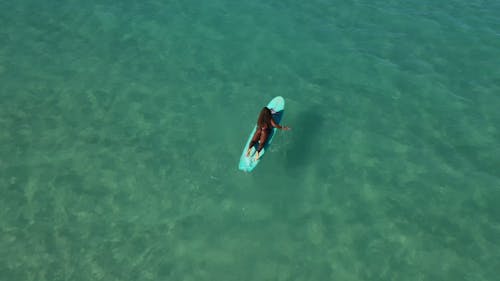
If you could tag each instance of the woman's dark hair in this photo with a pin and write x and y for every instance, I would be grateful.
(264, 117)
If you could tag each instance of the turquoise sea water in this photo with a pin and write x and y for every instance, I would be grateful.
(122, 123)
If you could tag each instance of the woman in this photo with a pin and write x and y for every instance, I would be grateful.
(265, 124)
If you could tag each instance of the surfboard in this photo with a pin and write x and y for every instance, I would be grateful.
(247, 164)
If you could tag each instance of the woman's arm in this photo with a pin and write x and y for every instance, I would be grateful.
(275, 125)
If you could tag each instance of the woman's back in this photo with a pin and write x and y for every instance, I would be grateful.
(265, 118)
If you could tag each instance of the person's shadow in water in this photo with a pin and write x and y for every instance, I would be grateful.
(303, 138)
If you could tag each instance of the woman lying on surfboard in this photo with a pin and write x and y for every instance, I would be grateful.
(265, 124)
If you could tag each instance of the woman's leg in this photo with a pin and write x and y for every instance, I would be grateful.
(263, 138)
(254, 140)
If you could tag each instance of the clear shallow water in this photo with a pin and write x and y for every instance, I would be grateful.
(121, 126)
